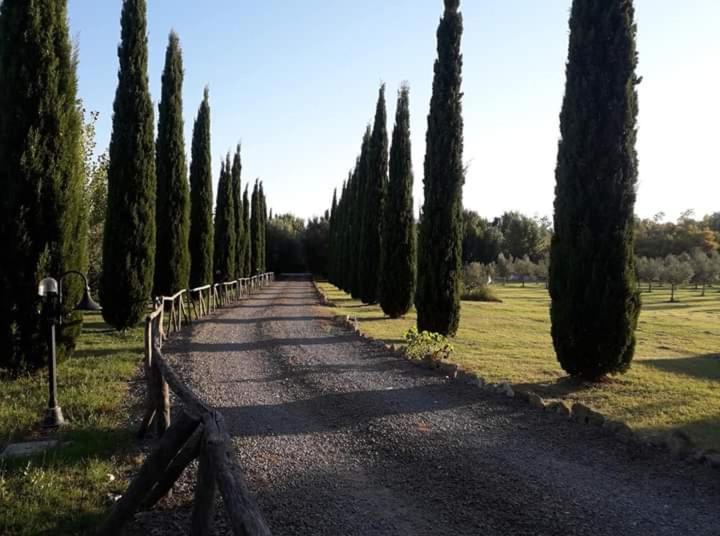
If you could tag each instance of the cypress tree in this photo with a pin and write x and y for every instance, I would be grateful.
(263, 228)
(247, 267)
(129, 239)
(397, 272)
(595, 296)
(255, 231)
(225, 240)
(42, 224)
(372, 215)
(332, 228)
(355, 244)
(201, 199)
(172, 256)
(239, 218)
(437, 299)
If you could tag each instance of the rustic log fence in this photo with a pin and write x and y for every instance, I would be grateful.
(198, 432)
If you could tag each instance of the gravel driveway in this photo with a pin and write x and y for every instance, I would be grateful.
(336, 437)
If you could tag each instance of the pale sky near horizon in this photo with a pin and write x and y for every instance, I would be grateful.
(296, 82)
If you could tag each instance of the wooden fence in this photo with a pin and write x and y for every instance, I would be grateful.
(198, 432)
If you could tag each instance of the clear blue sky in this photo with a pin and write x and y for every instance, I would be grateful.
(296, 83)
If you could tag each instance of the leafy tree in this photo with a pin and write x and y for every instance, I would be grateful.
(94, 198)
(42, 228)
(524, 268)
(595, 297)
(676, 271)
(130, 233)
(201, 199)
(285, 254)
(705, 267)
(172, 256)
(521, 235)
(504, 267)
(315, 241)
(239, 216)
(482, 241)
(440, 241)
(225, 240)
(372, 214)
(648, 270)
(397, 271)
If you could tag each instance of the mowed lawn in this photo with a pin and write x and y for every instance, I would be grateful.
(65, 490)
(674, 382)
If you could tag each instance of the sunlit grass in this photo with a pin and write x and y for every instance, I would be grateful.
(64, 490)
(674, 382)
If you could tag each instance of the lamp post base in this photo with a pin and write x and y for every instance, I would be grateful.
(53, 418)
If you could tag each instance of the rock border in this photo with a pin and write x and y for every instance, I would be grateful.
(676, 442)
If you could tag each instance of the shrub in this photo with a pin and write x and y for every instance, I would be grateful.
(481, 293)
(426, 344)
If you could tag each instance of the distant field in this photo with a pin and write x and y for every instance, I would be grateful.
(64, 491)
(674, 382)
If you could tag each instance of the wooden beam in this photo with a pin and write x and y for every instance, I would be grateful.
(150, 472)
(243, 512)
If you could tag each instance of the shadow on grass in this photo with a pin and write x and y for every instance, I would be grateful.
(560, 388)
(704, 367)
(76, 446)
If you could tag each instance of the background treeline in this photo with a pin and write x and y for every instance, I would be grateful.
(517, 235)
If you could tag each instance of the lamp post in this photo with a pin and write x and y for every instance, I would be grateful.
(50, 291)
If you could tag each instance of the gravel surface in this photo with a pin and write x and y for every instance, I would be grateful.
(337, 436)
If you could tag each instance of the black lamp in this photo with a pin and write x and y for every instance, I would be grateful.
(50, 291)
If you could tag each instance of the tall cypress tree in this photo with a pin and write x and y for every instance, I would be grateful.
(372, 214)
(225, 253)
(332, 229)
(239, 218)
(397, 271)
(595, 297)
(42, 227)
(358, 193)
(263, 228)
(247, 250)
(129, 239)
(255, 231)
(201, 199)
(440, 243)
(172, 256)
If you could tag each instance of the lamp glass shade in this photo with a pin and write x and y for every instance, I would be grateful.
(48, 287)
(87, 303)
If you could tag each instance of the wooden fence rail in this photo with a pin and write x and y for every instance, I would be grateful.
(199, 431)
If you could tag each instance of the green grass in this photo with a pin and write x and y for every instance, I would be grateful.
(674, 382)
(63, 491)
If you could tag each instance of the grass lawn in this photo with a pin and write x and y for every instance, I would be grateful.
(674, 382)
(64, 490)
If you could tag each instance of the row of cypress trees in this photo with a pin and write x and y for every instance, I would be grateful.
(42, 223)
(372, 228)
(160, 236)
(377, 213)
(595, 301)
(159, 231)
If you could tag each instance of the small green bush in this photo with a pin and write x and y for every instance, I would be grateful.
(482, 293)
(426, 344)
